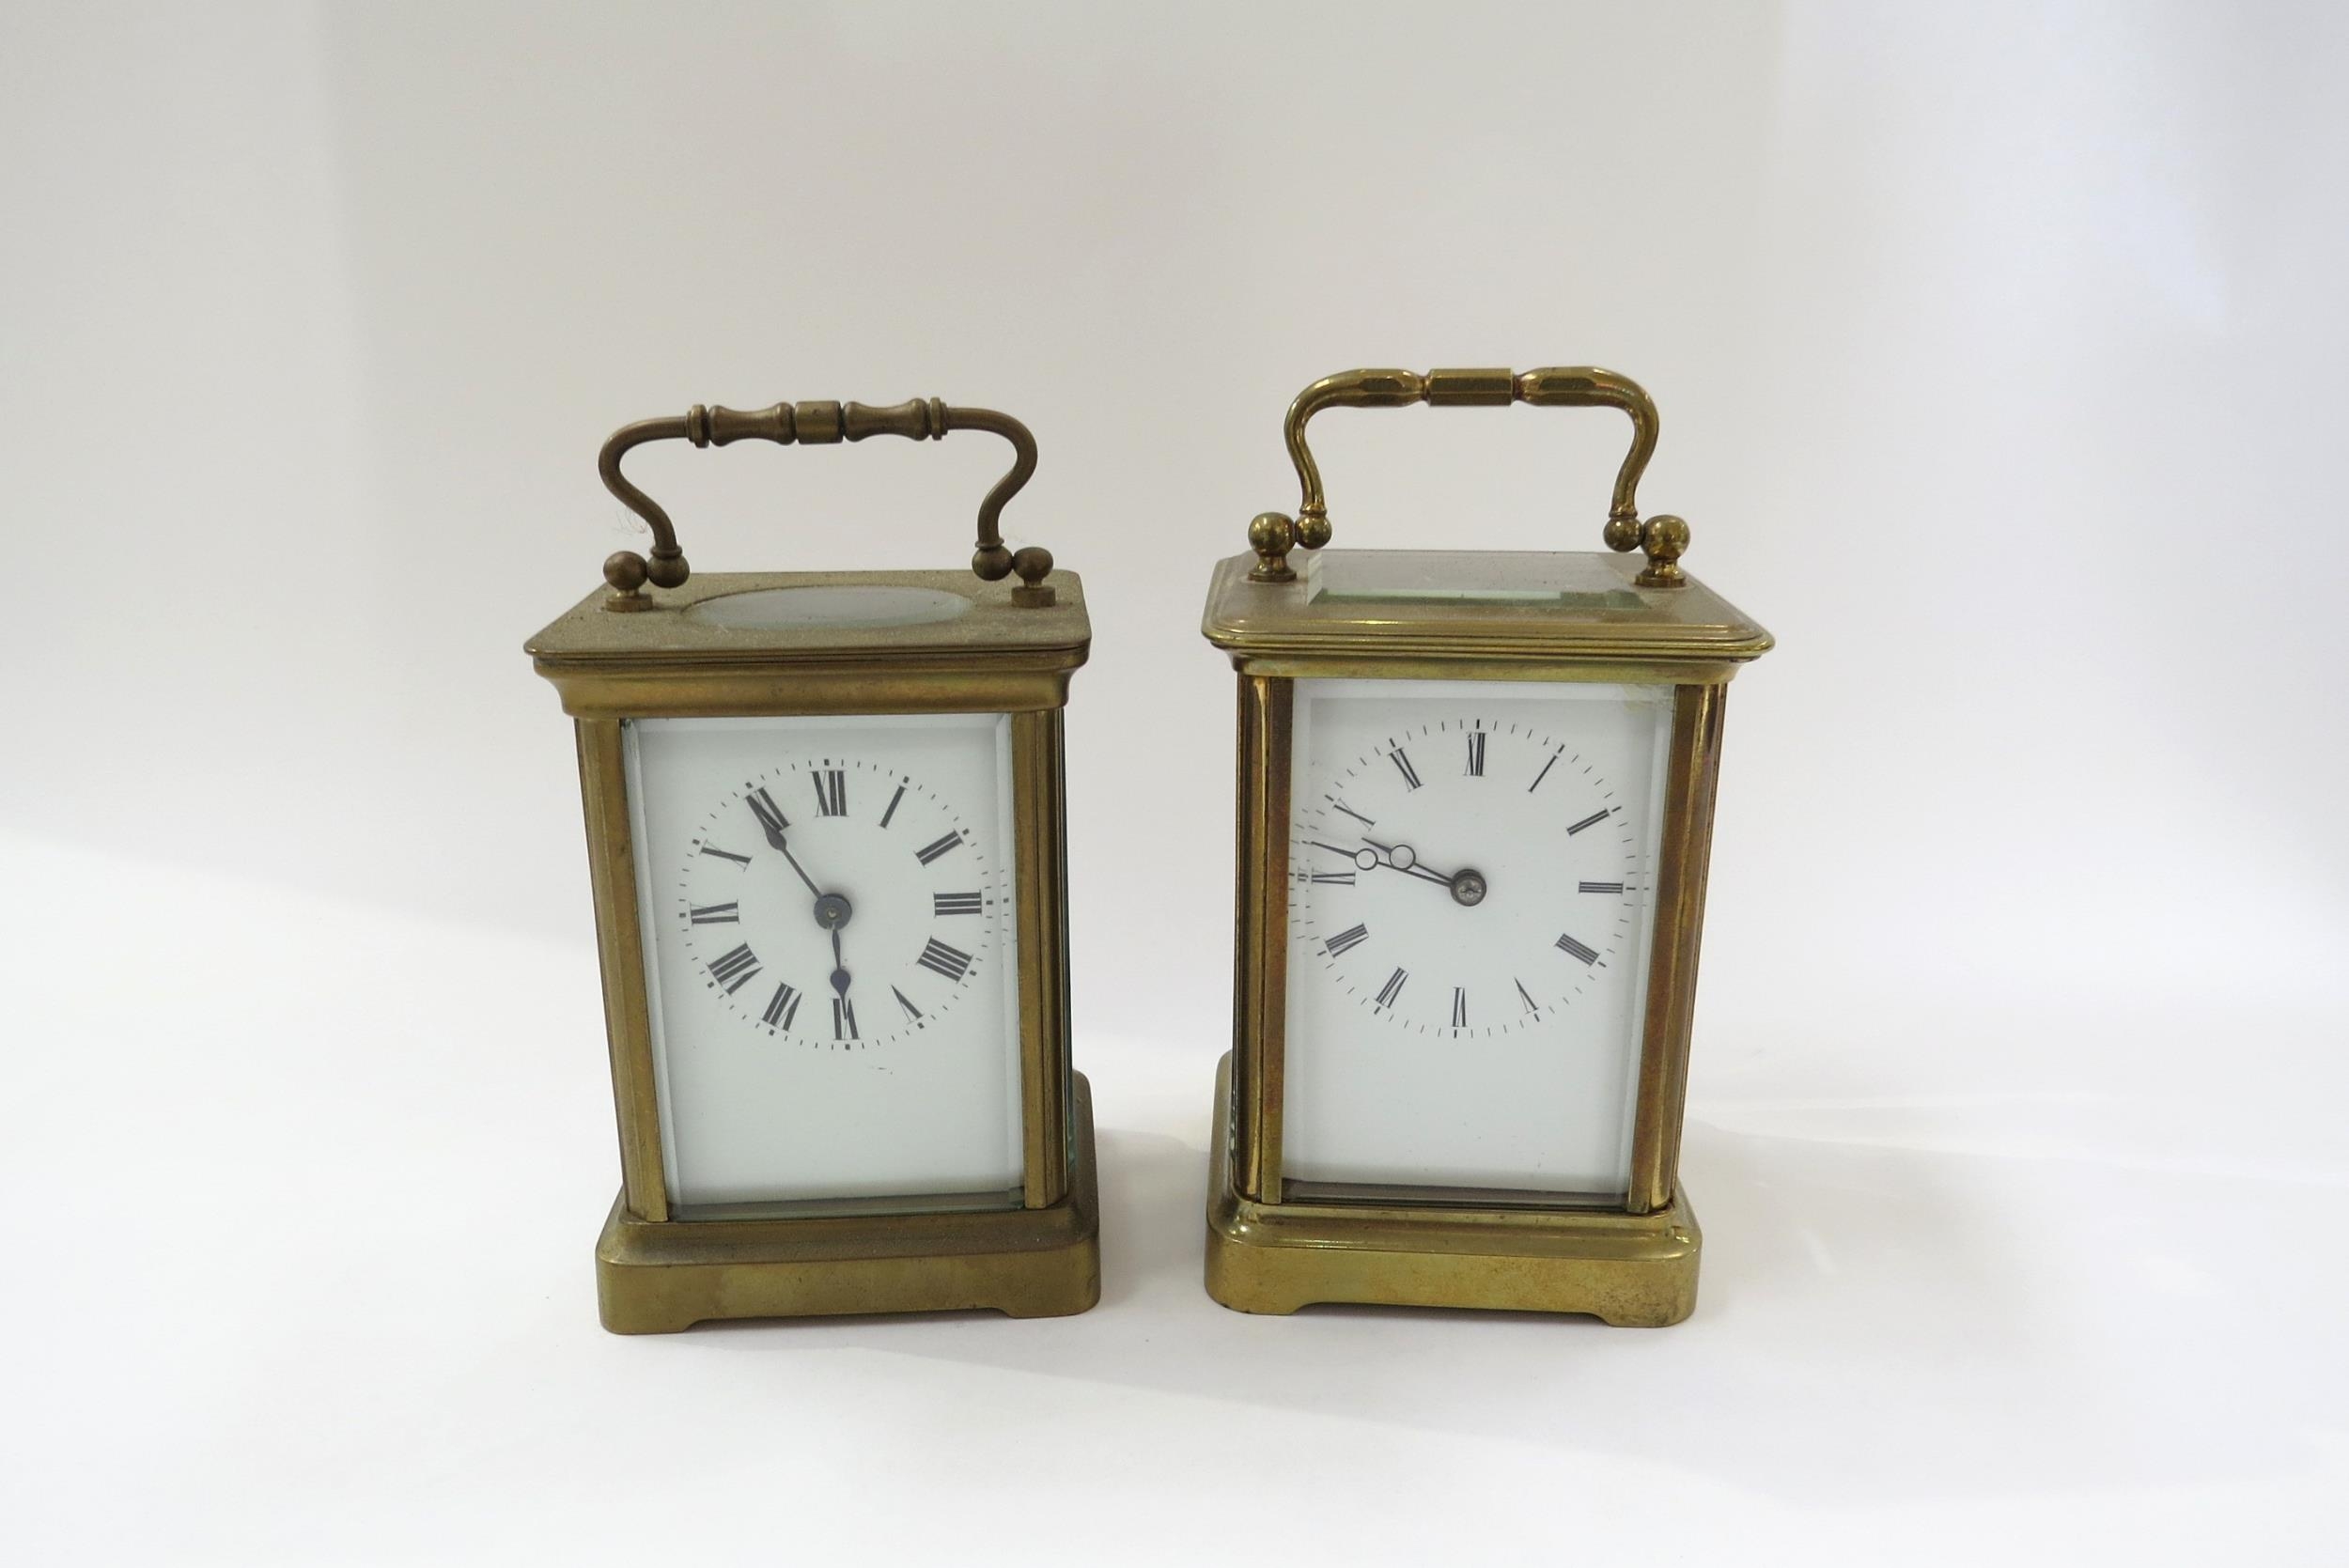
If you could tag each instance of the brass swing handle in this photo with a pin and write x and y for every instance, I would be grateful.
(819, 425)
(1663, 537)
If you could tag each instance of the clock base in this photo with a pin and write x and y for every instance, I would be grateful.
(660, 1277)
(1634, 1270)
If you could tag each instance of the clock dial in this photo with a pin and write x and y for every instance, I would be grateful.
(1470, 870)
(837, 902)
(1425, 876)
(832, 976)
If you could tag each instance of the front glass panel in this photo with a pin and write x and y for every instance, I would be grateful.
(1471, 867)
(828, 951)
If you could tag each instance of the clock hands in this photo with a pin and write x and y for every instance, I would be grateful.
(1467, 886)
(833, 910)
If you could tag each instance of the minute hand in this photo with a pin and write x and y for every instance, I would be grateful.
(776, 841)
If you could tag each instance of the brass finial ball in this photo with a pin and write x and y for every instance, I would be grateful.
(991, 563)
(1034, 563)
(1312, 532)
(625, 570)
(1270, 534)
(1667, 537)
(1623, 534)
(667, 571)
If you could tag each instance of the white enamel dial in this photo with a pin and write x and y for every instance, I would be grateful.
(827, 905)
(1471, 869)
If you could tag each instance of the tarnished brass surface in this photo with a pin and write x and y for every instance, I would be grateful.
(1012, 650)
(1632, 1270)
(658, 1278)
(1687, 634)
(1665, 538)
(818, 424)
(1693, 774)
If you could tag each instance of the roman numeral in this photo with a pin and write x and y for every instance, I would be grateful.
(1459, 1008)
(1531, 1005)
(946, 845)
(893, 805)
(770, 815)
(1601, 887)
(734, 969)
(717, 914)
(781, 1007)
(1345, 940)
(1343, 877)
(952, 962)
(842, 1018)
(1410, 775)
(1393, 988)
(911, 1012)
(832, 792)
(1591, 821)
(726, 854)
(1587, 954)
(954, 903)
(1476, 753)
(1349, 811)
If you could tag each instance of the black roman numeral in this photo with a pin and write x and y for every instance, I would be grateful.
(931, 851)
(1459, 1008)
(1591, 821)
(832, 792)
(1393, 988)
(954, 903)
(912, 1011)
(770, 815)
(1410, 775)
(1527, 996)
(1345, 878)
(952, 962)
(716, 914)
(734, 969)
(726, 854)
(893, 805)
(842, 1018)
(1583, 951)
(781, 1007)
(1476, 753)
(1345, 940)
(1601, 887)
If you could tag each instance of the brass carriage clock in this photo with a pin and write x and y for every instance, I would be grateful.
(1475, 806)
(826, 834)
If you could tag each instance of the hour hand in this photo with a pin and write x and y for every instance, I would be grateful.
(1400, 856)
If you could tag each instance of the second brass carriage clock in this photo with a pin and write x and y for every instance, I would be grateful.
(1475, 809)
(827, 840)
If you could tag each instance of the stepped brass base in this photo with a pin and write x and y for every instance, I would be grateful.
(1635, 1270)
(659, 1278)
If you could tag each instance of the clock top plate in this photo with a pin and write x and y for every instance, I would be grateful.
(1486, 606)
(783, 617)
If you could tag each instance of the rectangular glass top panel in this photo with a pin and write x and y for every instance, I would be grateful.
(1559, 580)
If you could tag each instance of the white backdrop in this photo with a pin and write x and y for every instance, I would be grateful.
(1999, 354)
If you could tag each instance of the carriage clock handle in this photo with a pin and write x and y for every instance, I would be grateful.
(1663, 537)
(819, 425)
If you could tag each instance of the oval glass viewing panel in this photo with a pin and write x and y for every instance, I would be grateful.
(823, 604)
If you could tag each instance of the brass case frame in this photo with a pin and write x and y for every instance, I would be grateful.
(1274, 1250)
(657, 1273)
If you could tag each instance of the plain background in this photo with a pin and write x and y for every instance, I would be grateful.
(1999, 350)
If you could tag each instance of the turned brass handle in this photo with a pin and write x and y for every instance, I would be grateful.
(1664, 538)
(819, 425)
